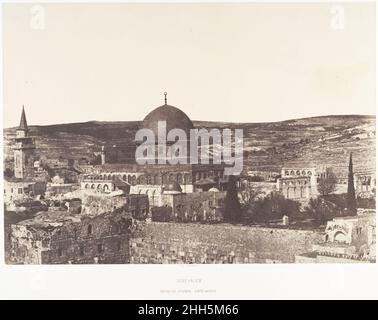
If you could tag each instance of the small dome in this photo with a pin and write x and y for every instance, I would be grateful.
(172, 187)
(213, 189)
(174, 117)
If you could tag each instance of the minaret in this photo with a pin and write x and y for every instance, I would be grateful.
(23, 150)
(103, 155)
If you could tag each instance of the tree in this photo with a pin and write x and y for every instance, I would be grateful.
(327, 184)
(249, 195)
(322, 210)
(233, 210)
(274, 206)
(351, 194)
(8, 173)
(96, 160)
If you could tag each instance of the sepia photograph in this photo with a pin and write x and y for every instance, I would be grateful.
(189, 133)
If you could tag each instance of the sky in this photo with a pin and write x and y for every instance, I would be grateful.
(218, 62)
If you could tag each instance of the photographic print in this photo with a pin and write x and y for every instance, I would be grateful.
(189, 133)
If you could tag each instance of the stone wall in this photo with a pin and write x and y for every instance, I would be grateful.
(163, 242)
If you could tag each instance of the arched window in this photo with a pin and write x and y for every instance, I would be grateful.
(124, 177)
(129, 179)
(106, 187)
(93, 186)
(89, 229)
(87, 186)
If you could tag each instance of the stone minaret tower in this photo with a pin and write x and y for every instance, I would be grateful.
(103, 155)
(23, 150)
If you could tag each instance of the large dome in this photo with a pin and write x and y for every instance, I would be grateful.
(174, 117)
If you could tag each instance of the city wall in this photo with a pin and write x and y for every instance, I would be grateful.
(162, 242)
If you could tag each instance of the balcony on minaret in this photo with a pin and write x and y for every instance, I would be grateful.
(24, 143)
(21, 133)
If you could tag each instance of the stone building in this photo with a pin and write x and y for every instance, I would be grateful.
(295, 188)
(136, 204)
(58, 237)
(16, 189)
(197, 206)
(299, 172)
(364, 179)
(104, 184)
(297, 183)
(201, 176)
(56, 189)
(365, 182)
(346, 239)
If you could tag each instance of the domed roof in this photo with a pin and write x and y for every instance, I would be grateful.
(213, 189)
(174, 117)
(172, 187)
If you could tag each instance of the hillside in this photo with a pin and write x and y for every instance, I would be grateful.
(317, 141)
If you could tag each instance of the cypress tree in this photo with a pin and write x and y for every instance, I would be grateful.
(233, 210)
(351, 194)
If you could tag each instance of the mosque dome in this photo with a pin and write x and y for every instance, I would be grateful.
(172, 188)
(174, 117)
